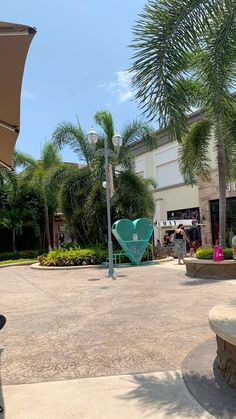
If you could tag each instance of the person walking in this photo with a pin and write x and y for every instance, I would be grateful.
(194, 236)
(61, 240)
(180, 243)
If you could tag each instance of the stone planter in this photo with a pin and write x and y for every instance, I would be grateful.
(207, 269)
(222, 319)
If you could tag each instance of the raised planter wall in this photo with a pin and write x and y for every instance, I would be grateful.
(207, 269)
(222, 319)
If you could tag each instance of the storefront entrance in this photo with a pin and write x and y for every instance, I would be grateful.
(230, 220)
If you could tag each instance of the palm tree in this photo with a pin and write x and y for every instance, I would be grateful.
(82, 198)
(74, 188)
(8, 194)
(133, 197)
(36, 173)
(19, 205)
(67, 133)
(180, 40)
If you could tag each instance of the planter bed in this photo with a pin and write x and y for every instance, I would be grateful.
(207, 269)
(222, 319)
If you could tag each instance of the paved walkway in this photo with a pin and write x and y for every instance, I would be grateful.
(157, 395)
(66, 325)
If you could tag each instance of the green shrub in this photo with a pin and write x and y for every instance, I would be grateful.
(228, 253)
(22, 254)
(73, 257)
(207, 253)
(148, 253)
(68, 246)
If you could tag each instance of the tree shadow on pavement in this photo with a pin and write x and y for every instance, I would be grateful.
(195, 281)
(166, 394)
(212, 393)
(94, 279)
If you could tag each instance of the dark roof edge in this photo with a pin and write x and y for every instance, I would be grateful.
(140, 147)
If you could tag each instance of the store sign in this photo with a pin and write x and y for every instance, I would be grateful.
(184, 214)
(174, 223)
(231, 187)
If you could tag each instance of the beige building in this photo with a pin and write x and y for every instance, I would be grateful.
(176, 201)
(173, 199)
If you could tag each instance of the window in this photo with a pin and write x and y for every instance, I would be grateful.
(166, 166)
(140, 167)
(168, 174)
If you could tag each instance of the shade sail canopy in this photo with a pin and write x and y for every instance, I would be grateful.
(14, 44)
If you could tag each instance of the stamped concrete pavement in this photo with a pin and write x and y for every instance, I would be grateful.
(66, 325)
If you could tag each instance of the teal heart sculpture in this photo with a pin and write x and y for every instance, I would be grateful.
(133, 237)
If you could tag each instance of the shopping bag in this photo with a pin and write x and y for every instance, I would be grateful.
(218, 254)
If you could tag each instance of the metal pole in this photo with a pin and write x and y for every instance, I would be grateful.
(111, 273)
(153, 245)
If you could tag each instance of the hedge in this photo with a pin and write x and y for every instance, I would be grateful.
(22, 254)
(73, 257)
(207, 253)
(77, 256)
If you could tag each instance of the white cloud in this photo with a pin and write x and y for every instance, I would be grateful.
(25, 94)
(121, 87)
(125, 96)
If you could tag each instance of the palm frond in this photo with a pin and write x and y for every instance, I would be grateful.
(72, 135)
(230, 146)
(49, 155)
(24, 160)
(136, 131)
(215, 65)
(165, 32)
(132, 198)
(194, 153)
(73, 194)
(8, 181)
(105, 121)
(26, 175)
(57, 175)
(132, 133)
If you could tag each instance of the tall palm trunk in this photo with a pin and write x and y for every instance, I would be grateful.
(14, 240)
(46, 225)
(222, 185)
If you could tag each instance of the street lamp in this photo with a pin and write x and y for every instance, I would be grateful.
(117, 142)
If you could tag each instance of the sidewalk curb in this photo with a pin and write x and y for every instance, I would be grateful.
(6, 265)
(60, 268)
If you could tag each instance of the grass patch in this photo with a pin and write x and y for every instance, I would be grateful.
(16, 261)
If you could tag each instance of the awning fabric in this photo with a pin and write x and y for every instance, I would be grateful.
(15, 40)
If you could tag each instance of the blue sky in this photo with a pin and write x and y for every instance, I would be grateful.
(75, 65)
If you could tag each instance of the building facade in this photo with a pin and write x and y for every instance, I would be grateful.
(173, 199)
(209, 210)
(176, 201)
